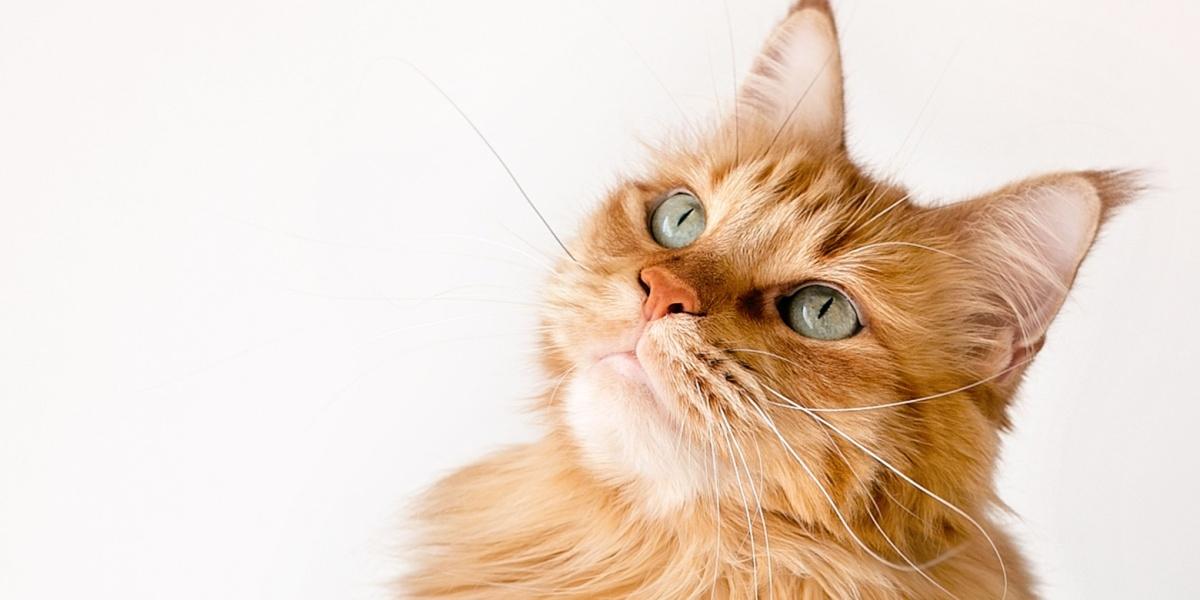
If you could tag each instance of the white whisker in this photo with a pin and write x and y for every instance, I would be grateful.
(717, 504)
(745, 503)
(561, 379)
(495, 154)
(825, 492)
(758, 501)
(885, 211)
(540, 261)
(745, 500)
(963, 388)
(903, 556)
(866, 247)
(1017, 313)
(960, 512)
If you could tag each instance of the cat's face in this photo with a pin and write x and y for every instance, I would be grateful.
(756, 316)
(651, 390)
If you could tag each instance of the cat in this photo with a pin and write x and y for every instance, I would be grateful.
(771, 375)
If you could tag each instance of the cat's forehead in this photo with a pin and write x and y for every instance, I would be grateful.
(777, 213)
(796, 181)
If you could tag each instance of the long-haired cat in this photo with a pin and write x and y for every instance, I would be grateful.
(770, 375)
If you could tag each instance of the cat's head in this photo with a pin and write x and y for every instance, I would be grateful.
(758, 316)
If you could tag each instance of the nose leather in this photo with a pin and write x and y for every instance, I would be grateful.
(667, 294)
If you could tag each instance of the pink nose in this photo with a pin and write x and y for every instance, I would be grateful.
(666, 294)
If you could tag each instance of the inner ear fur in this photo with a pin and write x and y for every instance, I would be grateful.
(793, 92)
(1024, 245)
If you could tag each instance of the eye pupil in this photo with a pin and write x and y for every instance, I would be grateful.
(825, 308)
(677, 221)
(820, 312)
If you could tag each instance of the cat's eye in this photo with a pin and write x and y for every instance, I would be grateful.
(677, 221)
(820, 312)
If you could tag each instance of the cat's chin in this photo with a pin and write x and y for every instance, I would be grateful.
(618, 385)
(628, 436)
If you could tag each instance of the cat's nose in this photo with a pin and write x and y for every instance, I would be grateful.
(666, 294)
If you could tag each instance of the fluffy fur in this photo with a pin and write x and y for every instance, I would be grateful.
(720, 454)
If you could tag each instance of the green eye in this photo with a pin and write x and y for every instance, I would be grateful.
(677, 221)
(820, 312)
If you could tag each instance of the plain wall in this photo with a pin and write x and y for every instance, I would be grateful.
(259, 283)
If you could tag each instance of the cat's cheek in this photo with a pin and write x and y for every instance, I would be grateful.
(625, 440)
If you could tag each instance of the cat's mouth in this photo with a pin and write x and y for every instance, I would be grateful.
(648, 355)
(621, 353)
(625, 363)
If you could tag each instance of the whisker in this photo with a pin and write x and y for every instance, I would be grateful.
(717, 504)
(758, 451)
(896, 501)
(536, 260)
(758, 501)
(539, 251)
(924, 106)
(561, 379)
(737, 135)
(495, 154)
(964, 388)
(824, 65)
(415, 326)
(712, 77)
(904, 142)
(885, 211)
(613, 26)
(803, 95)
(679, 438)
(745, 501)
(928, 100)
(866, 247)
(465, 299)
(825, 492)
(392, 356)
(903, 556)
(960, 512)
(1016, 312)
(860, 209)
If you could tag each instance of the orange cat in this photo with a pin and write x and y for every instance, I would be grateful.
(772, 376)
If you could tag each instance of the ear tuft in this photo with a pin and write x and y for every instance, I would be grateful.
(1116, 188)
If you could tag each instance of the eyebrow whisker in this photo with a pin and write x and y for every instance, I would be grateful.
(495, 154)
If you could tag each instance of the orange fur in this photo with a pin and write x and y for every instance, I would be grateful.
(766, 486)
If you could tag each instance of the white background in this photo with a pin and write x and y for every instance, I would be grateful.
(259, 284)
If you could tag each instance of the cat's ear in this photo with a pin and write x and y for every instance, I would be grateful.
(794, 89)
(1025, 243)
